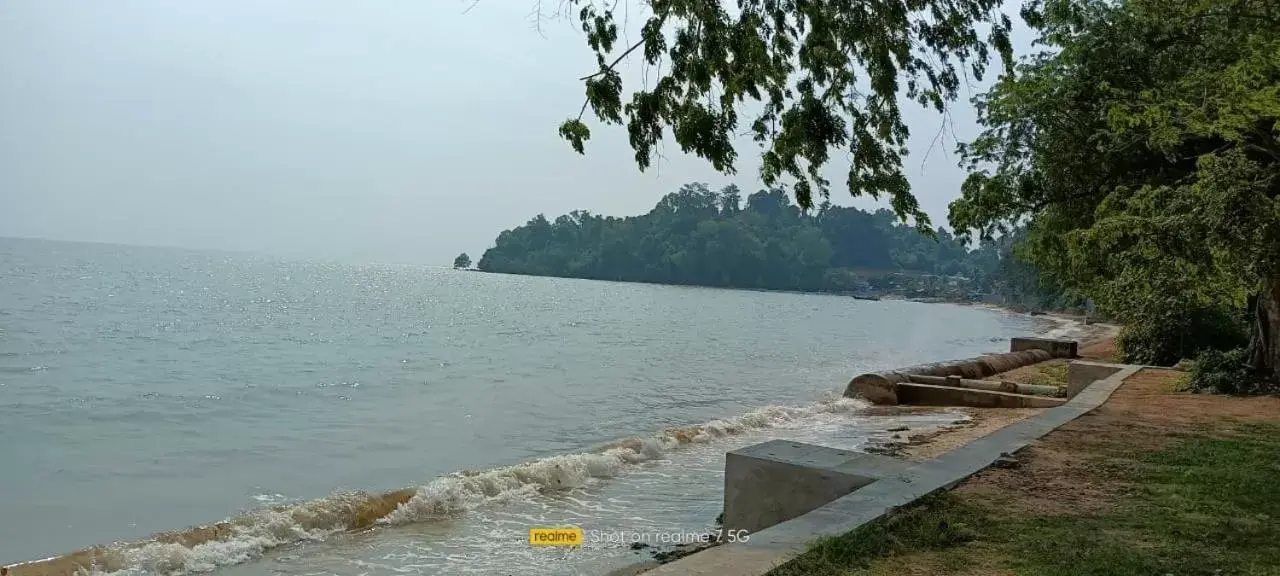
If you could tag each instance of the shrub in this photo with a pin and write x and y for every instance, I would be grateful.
(1226, 372)
(1163, 338)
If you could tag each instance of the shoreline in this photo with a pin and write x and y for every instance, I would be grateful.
(885, 296)
(368, 510)
(918, 445)
(257, 532)
(929, 443)
(921, 444)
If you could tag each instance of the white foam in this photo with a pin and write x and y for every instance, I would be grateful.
(269, 499)
(251, 535)
(455, 494)
(1064, 329)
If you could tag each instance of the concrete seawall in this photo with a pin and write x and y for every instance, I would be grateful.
(881, 387)
(777, 544)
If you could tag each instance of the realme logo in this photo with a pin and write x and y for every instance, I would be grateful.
(555, 536)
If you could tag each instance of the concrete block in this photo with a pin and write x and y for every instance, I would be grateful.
(1057, 348)
(931, 395)
(779, 480)
(1081, 374)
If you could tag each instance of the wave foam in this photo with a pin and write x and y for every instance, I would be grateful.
(245, 537)
(1065, 328)
(453, 494)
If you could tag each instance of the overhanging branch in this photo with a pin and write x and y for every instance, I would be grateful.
(616, 61)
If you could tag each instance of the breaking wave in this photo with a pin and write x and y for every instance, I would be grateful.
(244, 537)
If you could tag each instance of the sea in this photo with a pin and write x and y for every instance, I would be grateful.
(149, 390)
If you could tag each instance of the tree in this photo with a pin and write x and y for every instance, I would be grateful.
(1142, 148)
(698, 236)
(462, 261)
(817, 76)
(730, 200)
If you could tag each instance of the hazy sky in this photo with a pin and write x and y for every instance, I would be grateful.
(391, 131)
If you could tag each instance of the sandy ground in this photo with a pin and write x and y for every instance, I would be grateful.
(983, 421)
(1102, 350)
(1144, 412)
(926, 443)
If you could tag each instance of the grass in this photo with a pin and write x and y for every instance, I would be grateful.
(928, 525)
(1051, 375)
(1205, 504)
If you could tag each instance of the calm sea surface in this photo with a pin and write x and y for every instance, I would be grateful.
(146, 390)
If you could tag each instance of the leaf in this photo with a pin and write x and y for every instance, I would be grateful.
(576, 133)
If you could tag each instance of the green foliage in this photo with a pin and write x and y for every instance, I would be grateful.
(462, 261)
(1226, 372)
(1140, 148)
(816, 76)
(705, 237)
(1161, 333)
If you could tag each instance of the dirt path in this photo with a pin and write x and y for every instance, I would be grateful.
(926, 444)
(1103, 350)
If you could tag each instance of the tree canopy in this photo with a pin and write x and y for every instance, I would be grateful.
(1141, 147)
(711, 237)
(812, 78)
(462, 261)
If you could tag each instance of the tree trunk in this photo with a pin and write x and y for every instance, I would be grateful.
(1266, 330)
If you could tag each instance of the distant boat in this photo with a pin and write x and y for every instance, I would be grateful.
(866, 297)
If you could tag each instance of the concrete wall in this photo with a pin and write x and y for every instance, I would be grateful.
(779, 480)
(1081, 374)
(1057, 348)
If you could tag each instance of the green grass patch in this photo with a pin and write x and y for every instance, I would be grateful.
(930, 524)
(1204, 505)
(1051, 375)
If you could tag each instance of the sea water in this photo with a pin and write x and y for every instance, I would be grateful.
(145, 390)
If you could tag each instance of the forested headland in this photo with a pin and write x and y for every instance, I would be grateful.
(706, 237)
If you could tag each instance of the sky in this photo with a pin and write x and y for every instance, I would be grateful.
(391, 131)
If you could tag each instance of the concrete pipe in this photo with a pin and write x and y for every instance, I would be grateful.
(881, 387)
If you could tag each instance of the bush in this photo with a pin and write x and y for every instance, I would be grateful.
(1165, 337)
(1226, 372)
